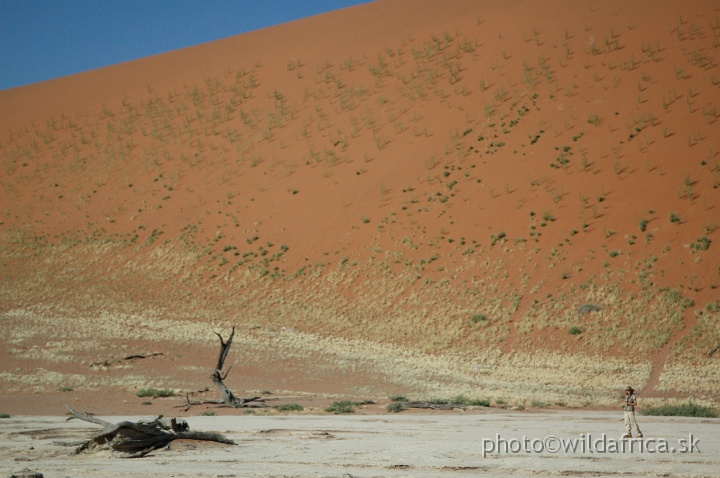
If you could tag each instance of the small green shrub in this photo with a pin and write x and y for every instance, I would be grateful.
(343, 406)
(587, 308)
(398, 398)
(538, 404)
(208, 413)
(478, 318)
(712, 306)
(395, 407)
(155, 392)
(460, 400)
(674, 218)
(290, 407)
(479, 403)
(702, 244)
(684, 410)
(66, 389)
(4, 415)
(676, 297)
(346, 406)
(575, 330)
(497, 237)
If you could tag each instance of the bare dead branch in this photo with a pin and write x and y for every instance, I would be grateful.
(142, 356)
(224, 349)
(108, 363)
(432, 406)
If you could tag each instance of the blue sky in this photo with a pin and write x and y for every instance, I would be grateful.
(44, 39)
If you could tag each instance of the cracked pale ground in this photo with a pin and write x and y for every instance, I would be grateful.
(414, 445)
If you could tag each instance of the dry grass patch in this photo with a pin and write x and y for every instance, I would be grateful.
(702, 337)
(486, 373)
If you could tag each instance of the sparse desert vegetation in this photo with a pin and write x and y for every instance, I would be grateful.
(683, 410)
(154, 392)
(345, 406)
(450, 210)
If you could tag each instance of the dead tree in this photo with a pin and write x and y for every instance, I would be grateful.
(137, 439)
(432, 406)
(228, 398)
(217, 377)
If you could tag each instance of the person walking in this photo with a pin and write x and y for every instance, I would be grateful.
(629, 407)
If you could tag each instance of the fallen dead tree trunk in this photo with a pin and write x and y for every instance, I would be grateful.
(142, 356)
(137, 439)
(228, 398)
(432, 406)
(108, 362)
(249, 402)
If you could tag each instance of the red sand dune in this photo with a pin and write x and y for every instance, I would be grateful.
(409, 166)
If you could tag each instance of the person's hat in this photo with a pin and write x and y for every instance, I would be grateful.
(629, 388)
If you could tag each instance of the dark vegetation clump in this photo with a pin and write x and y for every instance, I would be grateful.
(684, 410)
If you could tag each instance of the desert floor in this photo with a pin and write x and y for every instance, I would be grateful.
(438, 443)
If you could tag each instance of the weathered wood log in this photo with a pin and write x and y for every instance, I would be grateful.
(27, 473)
(108, 363)
(249, 402)
(142, 356)
(137, 439)
(433, 406)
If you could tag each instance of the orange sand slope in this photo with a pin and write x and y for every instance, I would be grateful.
(504, 201)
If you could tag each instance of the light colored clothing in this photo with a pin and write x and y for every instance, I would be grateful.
(629, 400)
(630, 421)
